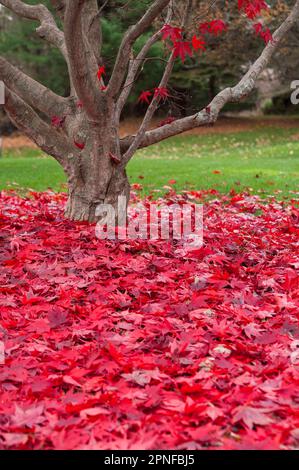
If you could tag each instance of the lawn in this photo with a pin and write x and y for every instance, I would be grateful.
(265, 159)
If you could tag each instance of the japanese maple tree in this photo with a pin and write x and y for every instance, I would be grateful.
(82, 131)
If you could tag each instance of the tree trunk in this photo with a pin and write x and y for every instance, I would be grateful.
(87, 195)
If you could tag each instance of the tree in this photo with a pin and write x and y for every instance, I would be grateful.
(82, 131)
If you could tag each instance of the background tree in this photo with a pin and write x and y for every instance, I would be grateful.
(82, 130)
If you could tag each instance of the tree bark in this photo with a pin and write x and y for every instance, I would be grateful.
(86, 197)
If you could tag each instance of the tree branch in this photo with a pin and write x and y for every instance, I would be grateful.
(48, 139)
(31, 91)
(47, 30)
(150, 112)
(156, 100)
(92, 29)
(210, 114)
(136, 64)
(130, 37)
(83, 66)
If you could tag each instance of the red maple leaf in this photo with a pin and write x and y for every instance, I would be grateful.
(252, 416)
(144, 97)
(252, 8)
(217, 27)
(161, 92)
(171, 32)
(258, 27)
(198, 43)
(204, 28)
(28, 416)
(57, 317)
(182, 49)
(266, 34)
(214, 27)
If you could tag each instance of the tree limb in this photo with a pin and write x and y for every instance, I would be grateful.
(156, 100)
(83, 66)
(136, 64)
(31, 91)
(124, 53)
(92, 29)
(210, 114)
(47, 30)
(48, 139)
(150, 112)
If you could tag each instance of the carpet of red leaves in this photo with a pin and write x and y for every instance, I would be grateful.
(135, 345)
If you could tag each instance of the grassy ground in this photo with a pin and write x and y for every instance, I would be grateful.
(265, 159)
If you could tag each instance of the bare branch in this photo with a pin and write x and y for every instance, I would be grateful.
(91, 28)
(31, 91)
(210, 114)
(82, 61)
(130, 37)
(47, 30)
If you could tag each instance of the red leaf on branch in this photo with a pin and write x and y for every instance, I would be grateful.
(214, 27)
(198, 43)
(144, 97)
(258, 27)
(266, 34)
(161, 92)
(182, 49)
(171, 32)
(252, 8)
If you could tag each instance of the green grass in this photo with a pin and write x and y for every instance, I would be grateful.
(266, 160)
